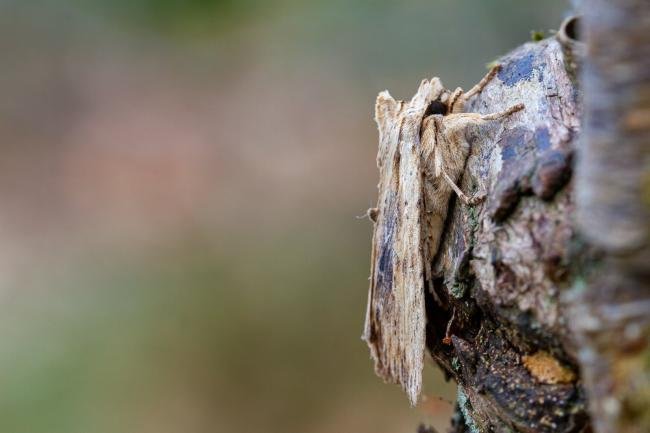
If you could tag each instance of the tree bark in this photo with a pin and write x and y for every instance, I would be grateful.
(503, 265)
(541, 293)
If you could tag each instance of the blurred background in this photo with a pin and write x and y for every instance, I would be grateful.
(179, 184)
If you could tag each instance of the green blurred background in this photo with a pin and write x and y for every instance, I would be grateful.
(180, 181)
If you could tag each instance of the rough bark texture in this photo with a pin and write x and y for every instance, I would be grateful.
(613, 204)
(504, 265)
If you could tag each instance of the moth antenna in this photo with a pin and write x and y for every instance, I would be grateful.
(371, 214)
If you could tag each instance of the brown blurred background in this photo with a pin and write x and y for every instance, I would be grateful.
(180, 179)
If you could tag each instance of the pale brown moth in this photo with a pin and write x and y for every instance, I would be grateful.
(422, 153)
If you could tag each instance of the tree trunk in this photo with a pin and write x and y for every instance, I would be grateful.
(533, 311)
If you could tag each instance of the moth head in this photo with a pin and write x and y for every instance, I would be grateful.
(440, 105)
(437, 106)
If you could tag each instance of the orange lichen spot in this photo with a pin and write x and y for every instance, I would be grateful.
(546, 369)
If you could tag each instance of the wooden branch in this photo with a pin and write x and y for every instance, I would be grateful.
(503, 265)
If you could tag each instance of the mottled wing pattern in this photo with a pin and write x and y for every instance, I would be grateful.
(395, 317)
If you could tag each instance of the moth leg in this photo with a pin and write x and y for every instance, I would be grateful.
(504, 113)
(428, 138)
(461, 195)
(458, 122)
(459, 105)
(437, 163)
(456, 101)
(447, 339)
(484, 82)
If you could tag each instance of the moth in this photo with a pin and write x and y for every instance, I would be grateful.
(422, 154)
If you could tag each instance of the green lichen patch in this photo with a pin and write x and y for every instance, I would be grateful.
(458, 289)
(466, 408)
(537, 35)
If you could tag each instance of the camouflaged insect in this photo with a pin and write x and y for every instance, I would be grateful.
(422, 153)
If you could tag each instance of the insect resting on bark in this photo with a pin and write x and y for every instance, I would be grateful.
(421, 156)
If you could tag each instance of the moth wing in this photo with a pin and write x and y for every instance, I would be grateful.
(387, 115)
(395, 316)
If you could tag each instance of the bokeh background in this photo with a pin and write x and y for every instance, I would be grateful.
(179, 184)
